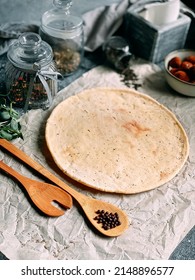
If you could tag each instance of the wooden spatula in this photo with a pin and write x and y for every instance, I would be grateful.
(93, 208)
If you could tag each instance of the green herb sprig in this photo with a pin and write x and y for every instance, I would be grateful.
(10, 127)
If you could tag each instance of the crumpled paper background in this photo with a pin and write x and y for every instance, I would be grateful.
(160, 218)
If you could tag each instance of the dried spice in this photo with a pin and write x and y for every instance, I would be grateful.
(108, 220)
(31, 77)
(19, 88)
(117, 52)
(130, 78)
(63, 31)
(67, 60)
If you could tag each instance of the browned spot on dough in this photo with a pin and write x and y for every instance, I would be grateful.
(135, 127)
(163, 175)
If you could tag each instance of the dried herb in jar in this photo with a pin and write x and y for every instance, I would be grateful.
(31, 77)
(67, 60)
(18, 91)
(117, 52)
(63, 30)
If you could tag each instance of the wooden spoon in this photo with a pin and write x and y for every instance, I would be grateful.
(89, 205)
(42, 194)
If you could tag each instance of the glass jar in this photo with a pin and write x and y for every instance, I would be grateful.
(117, 52)
(64, 32)
(31, 79)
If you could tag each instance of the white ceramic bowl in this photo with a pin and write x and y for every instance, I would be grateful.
(178, 85)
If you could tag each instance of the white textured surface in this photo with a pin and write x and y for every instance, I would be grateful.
(160, 218)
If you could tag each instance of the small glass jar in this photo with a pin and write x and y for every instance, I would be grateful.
(64, 32)
(31, 79)
(117, 52)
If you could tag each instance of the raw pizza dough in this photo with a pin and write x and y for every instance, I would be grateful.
(116, 140)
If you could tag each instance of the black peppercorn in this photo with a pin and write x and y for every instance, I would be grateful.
(108, 220)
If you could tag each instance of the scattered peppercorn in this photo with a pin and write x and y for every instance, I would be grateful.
(108, 220)
(130, 79)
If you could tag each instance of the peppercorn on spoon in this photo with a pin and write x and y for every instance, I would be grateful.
(42, 194)
(113, 224)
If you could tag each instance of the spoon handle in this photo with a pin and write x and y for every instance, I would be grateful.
(89, 205)
(26, 182)
(12, 172)
(39, 168)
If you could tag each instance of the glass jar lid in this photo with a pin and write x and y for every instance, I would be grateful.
(30, 51)
(59, 22)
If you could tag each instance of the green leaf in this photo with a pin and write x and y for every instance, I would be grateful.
(4, 115)
(10, 127)
(6, 135)
(14, 124)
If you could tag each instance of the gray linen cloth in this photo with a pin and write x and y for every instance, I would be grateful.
(11, 31)
(102, 23)
(99, 24)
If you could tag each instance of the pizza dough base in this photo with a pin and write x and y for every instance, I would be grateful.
(116, 140)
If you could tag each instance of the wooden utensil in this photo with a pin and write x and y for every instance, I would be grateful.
(89, 205)
(42, 194)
